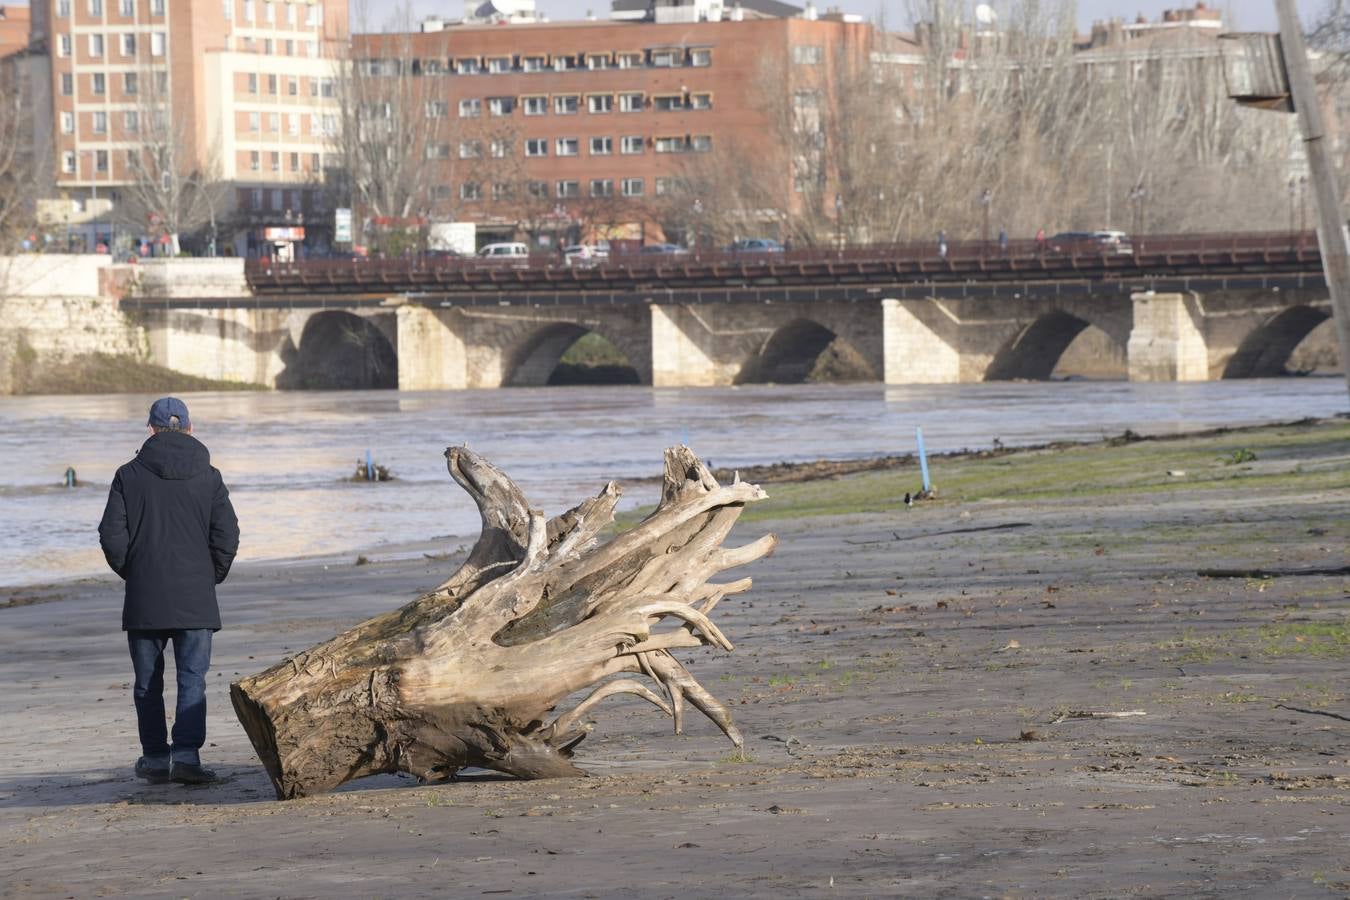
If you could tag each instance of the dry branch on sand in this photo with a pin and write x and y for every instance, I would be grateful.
(470, 673)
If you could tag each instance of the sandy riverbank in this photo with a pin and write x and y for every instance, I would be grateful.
(907, 680)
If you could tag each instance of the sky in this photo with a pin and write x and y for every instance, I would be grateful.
(1249, 15)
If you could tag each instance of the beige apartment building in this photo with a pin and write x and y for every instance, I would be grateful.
(242, 89)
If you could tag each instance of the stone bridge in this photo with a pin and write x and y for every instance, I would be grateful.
(200, 317)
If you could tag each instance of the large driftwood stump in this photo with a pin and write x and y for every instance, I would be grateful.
(470, 673)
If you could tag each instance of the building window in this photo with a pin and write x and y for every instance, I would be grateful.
(157, 7)
(327, 88)
(95, 45)
(440, 193)
(667, 58)
(128, 45)
(602, 187)
(250, 11)
(96, 8)
(293, 86)
(293, 124)
(274, 122)
(314, 162)
(566, 104)
(536, 147)
(568, 147)
(501, 190)
(256, 197)
(630, 102)
(253, 82)
(670, 145)
(470, 190)
(67, 84)
(276, 161)
(668, 102)
(295, 162)
(470, 149)
(665, 186)
(101, 160)
(501, 106)
(100, 123)
(269, 12)
(600, 103)
(602, 146)
(127, 8)
(568, 189)
(631, 187)
(290, 14)
(67, 123)
(700, 57)
(314, 15)
(470, 109)
(499, 64)
(807, 54)
(468, 66)
(564, 63)
(500, 148)
(597, 61)
(629, 60)
(277, 195)
(272, 85)
(130, 83)
(438, 151)
(437, 109)
(700, 101)
(255, 121)
(100, 83)
(533, 63)
(63, 45)
(131, 121)
(68, 158)
(535, 106)
(229, 9)
(701, 143)
(157, 43)
(537, 189)
(63, 9)
(161, 82)
(631, 145)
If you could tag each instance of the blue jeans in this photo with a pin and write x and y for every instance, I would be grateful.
(191, 659)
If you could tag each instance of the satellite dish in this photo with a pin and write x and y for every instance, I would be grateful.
(985, 15)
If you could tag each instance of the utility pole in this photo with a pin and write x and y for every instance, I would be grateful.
(1332, 238)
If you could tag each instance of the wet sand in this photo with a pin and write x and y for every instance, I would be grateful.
(920, 691)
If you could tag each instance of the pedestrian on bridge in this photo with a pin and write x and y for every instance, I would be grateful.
(942, 244)
(1003, 241)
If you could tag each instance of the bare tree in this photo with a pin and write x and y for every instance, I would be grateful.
(173, 189)
(17, 173)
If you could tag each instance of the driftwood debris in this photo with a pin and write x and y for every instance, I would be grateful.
(471, 673)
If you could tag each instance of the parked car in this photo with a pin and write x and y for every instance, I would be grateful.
(755, 245)
(1105, 241)
(507, 251)
(585, 254)
(669, 249)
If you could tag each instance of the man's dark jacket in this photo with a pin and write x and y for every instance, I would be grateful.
(170, 532)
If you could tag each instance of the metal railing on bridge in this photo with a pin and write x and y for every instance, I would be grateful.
(1049, 259)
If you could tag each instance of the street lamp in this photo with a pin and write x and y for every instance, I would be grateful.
(986, 198)
(839, 221)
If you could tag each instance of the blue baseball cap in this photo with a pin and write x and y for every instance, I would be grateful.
(163, 411)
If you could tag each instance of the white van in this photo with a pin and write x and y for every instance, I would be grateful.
(506, 251)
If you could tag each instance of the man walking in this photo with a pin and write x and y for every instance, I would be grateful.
(170, 532)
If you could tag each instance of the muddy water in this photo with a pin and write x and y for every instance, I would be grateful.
(285, 455)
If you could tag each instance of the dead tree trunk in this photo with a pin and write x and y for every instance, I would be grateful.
(470, 673)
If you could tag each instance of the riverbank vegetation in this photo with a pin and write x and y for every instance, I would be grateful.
(104, 373)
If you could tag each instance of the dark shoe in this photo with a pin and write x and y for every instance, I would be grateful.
(151, 771)
(187, 773)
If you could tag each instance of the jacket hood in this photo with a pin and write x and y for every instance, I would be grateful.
(174, 455)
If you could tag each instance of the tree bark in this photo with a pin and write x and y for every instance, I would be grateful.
(470, 673)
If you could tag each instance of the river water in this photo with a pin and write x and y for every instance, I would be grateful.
(284, 455)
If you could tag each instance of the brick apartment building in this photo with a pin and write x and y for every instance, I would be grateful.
(246, 85)
(598, 121)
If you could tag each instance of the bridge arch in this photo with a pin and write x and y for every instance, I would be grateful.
(339, 350)
(1035, 352)
(536, 359)
(1265, 352)
(793, 351)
